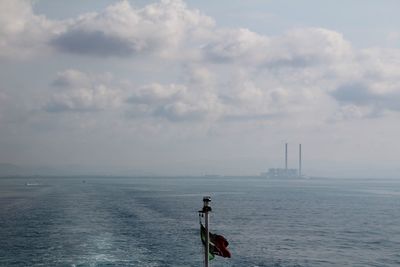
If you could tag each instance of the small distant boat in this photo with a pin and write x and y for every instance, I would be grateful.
(32, 184)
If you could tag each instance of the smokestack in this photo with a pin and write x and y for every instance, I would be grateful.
(285, 156)
(299, 159)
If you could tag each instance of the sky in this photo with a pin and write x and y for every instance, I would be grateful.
(176, 87)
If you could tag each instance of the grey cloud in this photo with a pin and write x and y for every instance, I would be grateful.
(299, 61)
(180, 112)
(71, 78)
(95, 43)
(173, 112)
(60, 107)
(251, 117)
(61, 82)
(262, 56)
(152, 98)
(217, 57)
(361, 95)
(356, 93)
(157, 94)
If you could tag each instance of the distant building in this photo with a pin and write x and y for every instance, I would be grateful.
(285, 172)
(281, 173)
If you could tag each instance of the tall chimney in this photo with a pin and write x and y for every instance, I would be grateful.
(285, 156)
(299, 159)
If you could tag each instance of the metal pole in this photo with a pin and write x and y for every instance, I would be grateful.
(206, 209)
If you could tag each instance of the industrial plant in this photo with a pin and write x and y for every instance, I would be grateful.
(285, 172)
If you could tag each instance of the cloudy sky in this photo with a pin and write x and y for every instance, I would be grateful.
(200, 87)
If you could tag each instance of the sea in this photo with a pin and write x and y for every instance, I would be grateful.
(154, 221)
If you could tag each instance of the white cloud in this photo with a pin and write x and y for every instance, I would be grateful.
(301, 47)
(237, 44)
(121, 30)
(362, 96)
(297, 48)
(172, 102)
(22, 33)
(79, 92)
(228, 73)
(75, 91)
(349, 112)
(375, 87)
(158, 94)
(176, 76)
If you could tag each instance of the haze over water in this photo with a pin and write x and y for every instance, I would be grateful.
(113, 221)
(176, 87)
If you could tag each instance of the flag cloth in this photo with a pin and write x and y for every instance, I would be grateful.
(217, 244)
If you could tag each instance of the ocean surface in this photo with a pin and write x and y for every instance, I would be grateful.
(111, 221)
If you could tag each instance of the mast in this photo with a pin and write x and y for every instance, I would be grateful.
(206, 209)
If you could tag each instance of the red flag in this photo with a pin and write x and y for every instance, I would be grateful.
(217, 244)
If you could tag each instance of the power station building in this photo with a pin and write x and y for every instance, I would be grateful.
(285, 172)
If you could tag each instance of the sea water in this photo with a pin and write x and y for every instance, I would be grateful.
(116, 221)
